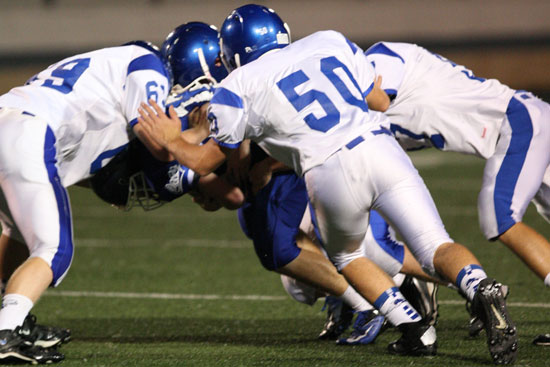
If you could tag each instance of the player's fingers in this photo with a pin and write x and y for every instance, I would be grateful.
(149, 112)
(156, 107)
(144, 117)
(172, 112)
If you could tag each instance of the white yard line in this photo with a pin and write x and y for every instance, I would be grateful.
(92, 294)
(235, 297)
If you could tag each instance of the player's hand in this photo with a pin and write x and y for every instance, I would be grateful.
(207, 203)
(159, 127)
(378, 82)
(198, 120)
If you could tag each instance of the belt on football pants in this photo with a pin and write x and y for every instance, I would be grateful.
(358, 140)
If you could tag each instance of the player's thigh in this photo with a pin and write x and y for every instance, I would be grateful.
(403, 199)
(340, 219)
(272, 220)
(34, 200)
(514, 174)
(542, 198)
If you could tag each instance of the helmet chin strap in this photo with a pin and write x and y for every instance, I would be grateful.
(204, 64)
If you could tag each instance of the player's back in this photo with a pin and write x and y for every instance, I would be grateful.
(439, 102)
(305, 101)
(88, 101)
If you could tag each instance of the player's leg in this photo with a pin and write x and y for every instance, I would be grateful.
(515, 175)
(405, 201)
(37, 204)
(12, 254)
(341, 193)
(271, 219)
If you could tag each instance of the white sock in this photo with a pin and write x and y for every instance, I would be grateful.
(468, 279)
(396, 308)
(355, 300)
(398, 279)
(547, 280)
(15, 307)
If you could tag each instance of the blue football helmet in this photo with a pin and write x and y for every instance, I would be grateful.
(192, 49)
(249, 32)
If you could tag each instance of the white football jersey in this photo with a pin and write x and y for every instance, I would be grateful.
(90, 101)
(300, 104)
(437, 102)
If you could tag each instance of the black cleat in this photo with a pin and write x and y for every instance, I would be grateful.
(422, 296)
(542, 340)
(475, 326)
(489, 305)
(418, 339)
(43, 336)
(14, 349)
(339, 316)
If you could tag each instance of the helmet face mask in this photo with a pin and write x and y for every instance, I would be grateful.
(249, 32)
(142, 194)
(122, 182)
(192, 49)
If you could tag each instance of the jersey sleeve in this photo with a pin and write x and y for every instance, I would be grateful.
(389, 64)
(146, 79)
(365, 70)
(227, 118)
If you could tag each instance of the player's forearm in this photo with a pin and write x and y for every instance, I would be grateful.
(203, 159)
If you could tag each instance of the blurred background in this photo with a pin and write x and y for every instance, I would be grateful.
(505, 39)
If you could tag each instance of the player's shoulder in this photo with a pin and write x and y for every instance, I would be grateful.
(326, 38)
(398, 50)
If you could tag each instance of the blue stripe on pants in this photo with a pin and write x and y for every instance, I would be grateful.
(64, 254)
(507, 177)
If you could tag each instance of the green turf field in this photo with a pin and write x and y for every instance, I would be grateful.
(182, 287)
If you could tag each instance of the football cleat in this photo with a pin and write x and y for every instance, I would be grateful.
(542, 340)
(14, 349)
(43, 336)
(476, 324)
(418, 339)
(489, 305)
(423, 297)
(366, 328)
(339, 316)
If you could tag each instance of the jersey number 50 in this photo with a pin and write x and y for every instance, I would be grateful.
(288, 85)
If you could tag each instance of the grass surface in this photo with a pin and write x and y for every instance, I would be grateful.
(228, 311)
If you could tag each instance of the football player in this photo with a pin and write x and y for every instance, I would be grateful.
(304, 104)
(285, 241)
(437, 103)
(273, 213)
(57, 130)
(134, 176)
